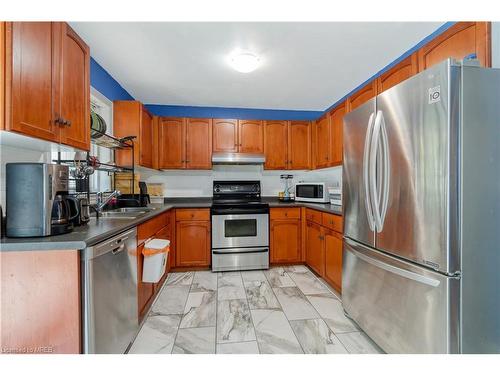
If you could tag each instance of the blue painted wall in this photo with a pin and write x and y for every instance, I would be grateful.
(236, 113)
(102, 81)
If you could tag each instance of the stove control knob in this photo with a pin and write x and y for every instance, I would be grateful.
(217, 190)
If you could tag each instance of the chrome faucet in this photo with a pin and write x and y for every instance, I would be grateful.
(101, 202)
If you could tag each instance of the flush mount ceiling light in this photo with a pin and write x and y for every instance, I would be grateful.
(244, 62)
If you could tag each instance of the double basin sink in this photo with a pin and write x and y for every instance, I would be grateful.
(125, 213)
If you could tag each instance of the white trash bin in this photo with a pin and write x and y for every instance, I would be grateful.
(155, 260)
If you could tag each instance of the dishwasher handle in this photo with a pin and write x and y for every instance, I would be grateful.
(115, 245)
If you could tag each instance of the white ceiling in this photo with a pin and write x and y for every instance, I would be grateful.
(305, 66)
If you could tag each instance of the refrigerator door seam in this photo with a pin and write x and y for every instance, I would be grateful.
(366, 175)
(373, 173)
(386, 170)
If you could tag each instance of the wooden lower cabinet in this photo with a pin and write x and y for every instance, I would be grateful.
(285, 241)
(192, 240)
(333, 258)
(158, 227)
(145, 291)
(315, 252)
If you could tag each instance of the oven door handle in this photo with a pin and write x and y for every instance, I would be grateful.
(240, 251)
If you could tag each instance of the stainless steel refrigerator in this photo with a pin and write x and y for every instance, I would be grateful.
(421, 185)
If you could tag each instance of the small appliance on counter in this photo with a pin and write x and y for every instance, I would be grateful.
(83, 208)
(335, 194)
(316, 192)
(37, 200)
(286, 196)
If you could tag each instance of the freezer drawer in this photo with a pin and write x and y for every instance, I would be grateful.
(404, 308)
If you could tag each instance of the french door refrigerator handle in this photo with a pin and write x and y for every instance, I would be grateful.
(372, 172)
(390, 268)
(366, 175)
(386, 170)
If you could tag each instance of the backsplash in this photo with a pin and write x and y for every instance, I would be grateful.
(199, 183)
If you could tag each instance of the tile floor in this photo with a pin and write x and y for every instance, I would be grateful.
(280, 310)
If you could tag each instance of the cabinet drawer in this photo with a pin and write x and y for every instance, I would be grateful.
(332, 221)
(149, 228)
(313, 215)
(192, 214)
(285, 213)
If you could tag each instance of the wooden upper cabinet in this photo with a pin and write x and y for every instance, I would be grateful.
(460, 40)
(225, 135)
(2, 75)
(299, 145)
(31, 68)
(75, 89)
(322, 142)
(130, 117)
(275, 144)
(362, 95)
(171, 142)
(398, 73)
(251, 136)
(47, 93)
(336, 133)
(198, 143)
(146, 149)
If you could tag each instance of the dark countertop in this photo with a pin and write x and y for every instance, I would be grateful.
(325, 207)
(99, 230)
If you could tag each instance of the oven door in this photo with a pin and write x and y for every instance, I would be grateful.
(240, 231)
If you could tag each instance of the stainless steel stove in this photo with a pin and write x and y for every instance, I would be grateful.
(240, 227)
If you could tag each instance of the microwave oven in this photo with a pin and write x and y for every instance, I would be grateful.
(312, 192)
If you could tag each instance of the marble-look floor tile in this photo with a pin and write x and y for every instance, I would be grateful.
(249, 347)
(157, 335)
(316, 338)
(204, 281)
(234, 322)
(296, 269)
(200, 310)
(307, 282)
(171, 300)
(359, 343)
(330, 309)
(253, 276)
(180, 278)
(230, 286)
(294, 304)
(278, 278)
(195, 341)
(260, 295)
(331, 290)
(274, 333)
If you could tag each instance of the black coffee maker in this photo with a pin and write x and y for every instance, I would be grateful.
(65, 209)
(37, 200)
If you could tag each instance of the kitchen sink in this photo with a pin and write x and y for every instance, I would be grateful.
(133, 209)
(119, 215)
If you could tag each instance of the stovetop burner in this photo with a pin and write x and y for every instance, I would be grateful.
(237, 196)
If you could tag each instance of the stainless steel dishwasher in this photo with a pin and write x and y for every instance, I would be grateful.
(109, 296)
